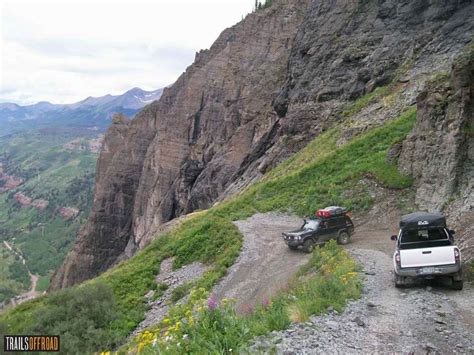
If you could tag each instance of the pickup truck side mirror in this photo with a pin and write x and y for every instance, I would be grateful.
(452, 231)
(393, 237)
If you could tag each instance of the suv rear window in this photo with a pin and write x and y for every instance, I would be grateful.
(424, 238)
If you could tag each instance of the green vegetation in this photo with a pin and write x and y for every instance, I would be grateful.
(318, 176)
(84, 312)
(366, 100)
(50, 172)
(179, 292)
(260, 6)
(208, 239)
(43, 283)
(328, 178)
(9, 284)
(329, 279)
(19, 272)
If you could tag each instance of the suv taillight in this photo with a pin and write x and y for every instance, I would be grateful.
(457, 255)
(397, 259)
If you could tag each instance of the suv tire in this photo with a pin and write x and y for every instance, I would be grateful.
(308, 245)
(293, 247)
(457, 285)
(343, 238)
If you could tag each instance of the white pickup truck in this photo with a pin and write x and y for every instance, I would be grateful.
(426, 250)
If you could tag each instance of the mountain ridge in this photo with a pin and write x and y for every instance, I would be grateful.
(97, 110)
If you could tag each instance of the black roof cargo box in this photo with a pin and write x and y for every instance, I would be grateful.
(423, 220)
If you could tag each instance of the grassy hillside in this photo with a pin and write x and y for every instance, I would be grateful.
(322, 174)
(65, 178)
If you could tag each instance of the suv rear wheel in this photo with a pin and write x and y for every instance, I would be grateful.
(308, 245)
(343, 238)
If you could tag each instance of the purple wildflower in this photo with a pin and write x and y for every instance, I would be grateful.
(266, 303)
(212, 303)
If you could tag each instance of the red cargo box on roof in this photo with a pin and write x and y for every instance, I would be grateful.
(330, 211)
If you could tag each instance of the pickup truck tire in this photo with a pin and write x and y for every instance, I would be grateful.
(343, 238)
(457, 285)
(399, 282)
(308, 245)
(293, 247)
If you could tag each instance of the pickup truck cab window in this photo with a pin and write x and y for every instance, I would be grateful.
(422, 238)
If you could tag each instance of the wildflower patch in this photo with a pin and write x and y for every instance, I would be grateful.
(203, 325)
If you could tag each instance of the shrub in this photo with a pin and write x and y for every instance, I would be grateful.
(80, 316)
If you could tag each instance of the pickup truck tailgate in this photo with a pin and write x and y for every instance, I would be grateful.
(427, 257)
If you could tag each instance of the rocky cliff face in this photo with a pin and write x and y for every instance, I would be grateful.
(439, 153)
(264, 89)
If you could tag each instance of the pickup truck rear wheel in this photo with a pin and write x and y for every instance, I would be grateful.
(399, 282)
(457, 285)
(308, 245)
(343, 238)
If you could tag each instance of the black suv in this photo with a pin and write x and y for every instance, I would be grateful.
(331, 223)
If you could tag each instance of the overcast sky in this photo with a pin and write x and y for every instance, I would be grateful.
(63, 51)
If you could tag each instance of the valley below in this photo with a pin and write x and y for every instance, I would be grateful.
(46, 195)
(48, 156)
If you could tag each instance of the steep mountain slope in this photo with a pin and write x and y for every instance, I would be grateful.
(264, 89)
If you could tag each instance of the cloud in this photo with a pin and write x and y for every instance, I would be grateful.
(65, 51)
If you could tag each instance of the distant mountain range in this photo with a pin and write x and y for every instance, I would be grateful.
(90, 112)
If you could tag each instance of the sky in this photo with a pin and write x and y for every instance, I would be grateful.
(64, 51)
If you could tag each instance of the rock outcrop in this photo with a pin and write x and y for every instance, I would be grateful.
(439, 152)
(265, 88)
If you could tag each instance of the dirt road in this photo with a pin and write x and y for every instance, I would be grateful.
(418, 320)
(32, 293)
(265, 263)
